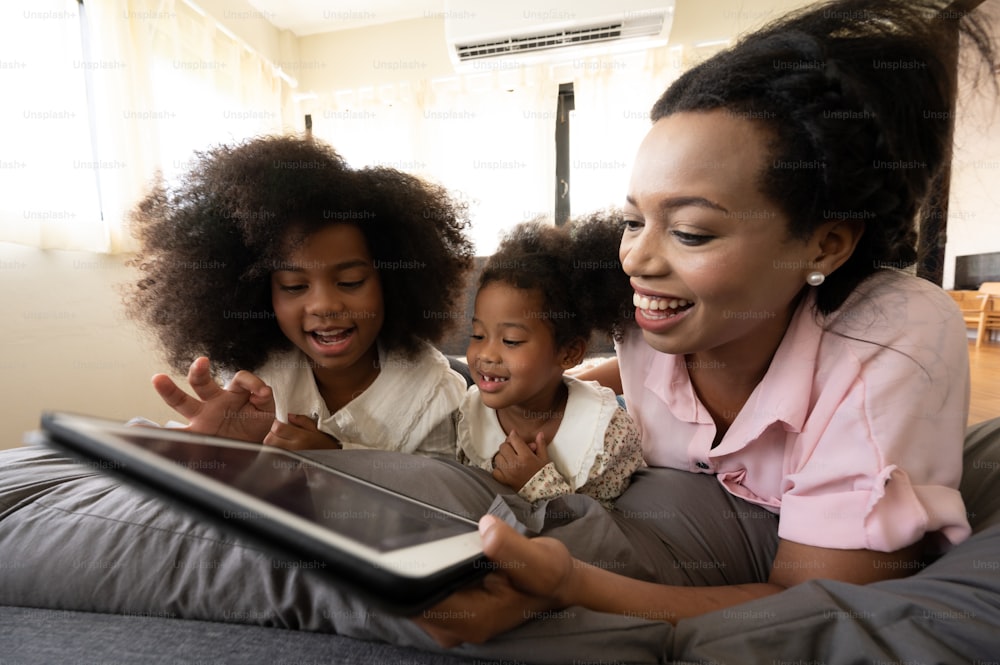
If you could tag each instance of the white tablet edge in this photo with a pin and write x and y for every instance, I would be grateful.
(415, 561)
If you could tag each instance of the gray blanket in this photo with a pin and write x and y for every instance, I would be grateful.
(73, 538)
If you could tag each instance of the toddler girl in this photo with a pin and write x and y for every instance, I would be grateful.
(327, 282)
(540, 432)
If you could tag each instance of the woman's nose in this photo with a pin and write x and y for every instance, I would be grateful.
(642, 254)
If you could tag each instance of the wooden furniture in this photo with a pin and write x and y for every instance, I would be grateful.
(980, 309)
(989, 318)
(963, 296)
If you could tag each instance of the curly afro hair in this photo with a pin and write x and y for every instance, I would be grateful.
(860, 92)
(209, 245)
(576, 269)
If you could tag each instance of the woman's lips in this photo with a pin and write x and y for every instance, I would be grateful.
(663, 303)
(658, 313)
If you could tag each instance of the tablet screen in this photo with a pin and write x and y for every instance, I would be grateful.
(311, 491)
(402, 553)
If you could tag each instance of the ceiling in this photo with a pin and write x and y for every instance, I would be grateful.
(307, 17)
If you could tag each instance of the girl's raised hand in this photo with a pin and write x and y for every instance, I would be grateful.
(517, 461)
(299, 433)
(243, 410)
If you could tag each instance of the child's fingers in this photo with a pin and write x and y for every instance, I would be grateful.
(281, 434)
(303, 421)
(174, 397)
(248, 381)
(541, 446)
(502, 461)
(518, 445)
(200, 379)
(292, 437)
(260, 394)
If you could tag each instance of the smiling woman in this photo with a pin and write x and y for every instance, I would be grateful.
(774, 350)
(699, 231)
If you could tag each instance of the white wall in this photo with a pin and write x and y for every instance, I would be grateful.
(375, 55)
(252, 26)
(66, 344)
(974, 202)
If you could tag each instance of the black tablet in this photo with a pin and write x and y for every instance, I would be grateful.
(402, 554)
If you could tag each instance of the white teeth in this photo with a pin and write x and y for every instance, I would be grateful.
(331, 337)
(653, 304)
(495, 379)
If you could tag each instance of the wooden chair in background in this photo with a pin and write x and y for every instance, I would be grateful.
(971, 305)
(961, 297)
(980, 309)
(989, 318)
(992, 288)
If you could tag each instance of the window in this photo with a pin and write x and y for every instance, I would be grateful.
(47, 163)
(110, 93)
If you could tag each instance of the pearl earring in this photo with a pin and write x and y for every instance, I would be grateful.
(815, 278)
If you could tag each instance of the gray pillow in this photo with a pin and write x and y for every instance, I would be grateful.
(981, 474)
(947, 613)
(75, 539)
(83, 541)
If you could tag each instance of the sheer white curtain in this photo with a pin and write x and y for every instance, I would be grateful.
(48, 190)
(164, 80)
(491, 136)
(613, 94)
(487, 137)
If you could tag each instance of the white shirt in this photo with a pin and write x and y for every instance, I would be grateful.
(408, 408)
(573, 450)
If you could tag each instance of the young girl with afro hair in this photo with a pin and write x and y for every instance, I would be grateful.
(319, 288)
(541, 296)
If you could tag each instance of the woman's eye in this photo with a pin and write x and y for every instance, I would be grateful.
(513, 342)
(292, 288)
(691, 239)
(476, 337)
(351, 285)
(633, 224)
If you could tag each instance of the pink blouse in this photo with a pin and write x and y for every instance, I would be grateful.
(854, 435)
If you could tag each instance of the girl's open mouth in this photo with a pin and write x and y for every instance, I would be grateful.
(491, 382)
(331, 340)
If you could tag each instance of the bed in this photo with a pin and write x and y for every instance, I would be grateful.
(93, 571)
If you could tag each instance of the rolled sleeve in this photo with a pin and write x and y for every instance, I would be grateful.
(547, 483)
(885, 519)
(879, 463)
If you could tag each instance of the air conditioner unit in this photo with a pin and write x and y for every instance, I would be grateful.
(528, 30)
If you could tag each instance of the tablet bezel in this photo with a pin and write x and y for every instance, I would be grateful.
(403, 580)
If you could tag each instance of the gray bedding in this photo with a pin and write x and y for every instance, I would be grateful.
(74, 539)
